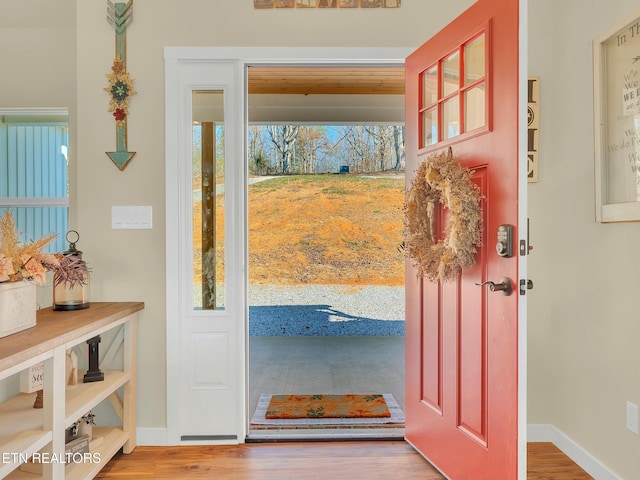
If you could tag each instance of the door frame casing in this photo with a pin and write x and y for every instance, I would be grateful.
(177, 60)
(523, 230)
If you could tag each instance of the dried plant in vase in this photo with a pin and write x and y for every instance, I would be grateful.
(71, 278)
(23, 261)
(71, 270)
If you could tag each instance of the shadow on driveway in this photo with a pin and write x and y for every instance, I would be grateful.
(316, 320)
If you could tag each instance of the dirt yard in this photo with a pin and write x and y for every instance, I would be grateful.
(318, 229)
(326, 229)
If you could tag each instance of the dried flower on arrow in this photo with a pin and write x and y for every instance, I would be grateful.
(120, 88)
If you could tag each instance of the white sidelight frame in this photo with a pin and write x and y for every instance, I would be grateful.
(183, 77)
(179, 62)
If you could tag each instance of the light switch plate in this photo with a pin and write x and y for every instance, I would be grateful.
(131, 217)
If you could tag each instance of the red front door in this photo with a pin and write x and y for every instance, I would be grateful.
(462, 339)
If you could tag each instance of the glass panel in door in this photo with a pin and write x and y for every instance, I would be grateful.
(474, 60)
(208, 200)
(450, 74)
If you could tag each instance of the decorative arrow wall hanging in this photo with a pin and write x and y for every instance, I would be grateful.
(120, 85)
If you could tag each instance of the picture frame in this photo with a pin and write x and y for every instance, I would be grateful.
(285, 3)
(259, 4)
(311, 4)
(616, 76)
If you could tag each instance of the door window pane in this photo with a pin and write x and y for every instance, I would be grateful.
(430, 127)
(430, 87)
(451, 118)
(474, 60)
(450, 74)
(474, 107)
(208, 200)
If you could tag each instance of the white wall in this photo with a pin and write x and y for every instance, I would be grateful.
(583, 313)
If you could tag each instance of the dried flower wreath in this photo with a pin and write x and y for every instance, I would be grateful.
(441, 179)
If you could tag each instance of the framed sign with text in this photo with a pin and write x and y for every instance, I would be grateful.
(616, 56)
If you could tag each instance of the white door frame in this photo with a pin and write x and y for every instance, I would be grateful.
(176, 59)
(216, 372)
(177, 102)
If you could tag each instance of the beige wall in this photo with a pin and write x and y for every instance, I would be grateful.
(37, 49)
(584, 331)
(129, 265)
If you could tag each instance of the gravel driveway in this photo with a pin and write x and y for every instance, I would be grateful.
(326, 310)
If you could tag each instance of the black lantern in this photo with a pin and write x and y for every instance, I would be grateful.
(71, 278)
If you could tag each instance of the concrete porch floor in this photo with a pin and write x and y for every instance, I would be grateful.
(329, 365)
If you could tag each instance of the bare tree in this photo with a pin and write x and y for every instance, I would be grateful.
(258, 164)
(380, 136)
(311, 142)
(398, 146)
(359, 149)
(284, 138)
(304, 149)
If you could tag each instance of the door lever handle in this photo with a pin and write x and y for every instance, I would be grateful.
(505, 286)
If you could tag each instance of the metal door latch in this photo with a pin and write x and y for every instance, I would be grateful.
(525, 285)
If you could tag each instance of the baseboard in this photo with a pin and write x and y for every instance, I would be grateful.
(586, 461)
(152, 437)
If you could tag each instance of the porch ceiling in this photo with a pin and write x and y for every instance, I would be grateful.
(326, 80)
(326, 94)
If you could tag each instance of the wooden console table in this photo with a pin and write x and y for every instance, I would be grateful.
(39, 434)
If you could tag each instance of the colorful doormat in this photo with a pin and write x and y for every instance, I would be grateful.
(327, 406)
(259, 420)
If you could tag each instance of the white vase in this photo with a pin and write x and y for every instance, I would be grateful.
(85, 428)
(17, 307)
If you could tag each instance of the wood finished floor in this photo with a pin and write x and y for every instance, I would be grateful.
(310, 461)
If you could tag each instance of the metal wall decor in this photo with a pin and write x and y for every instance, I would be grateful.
(120, 84)
(264, 4)
(533, 127)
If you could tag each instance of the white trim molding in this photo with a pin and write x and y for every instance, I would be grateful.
(181, 66)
